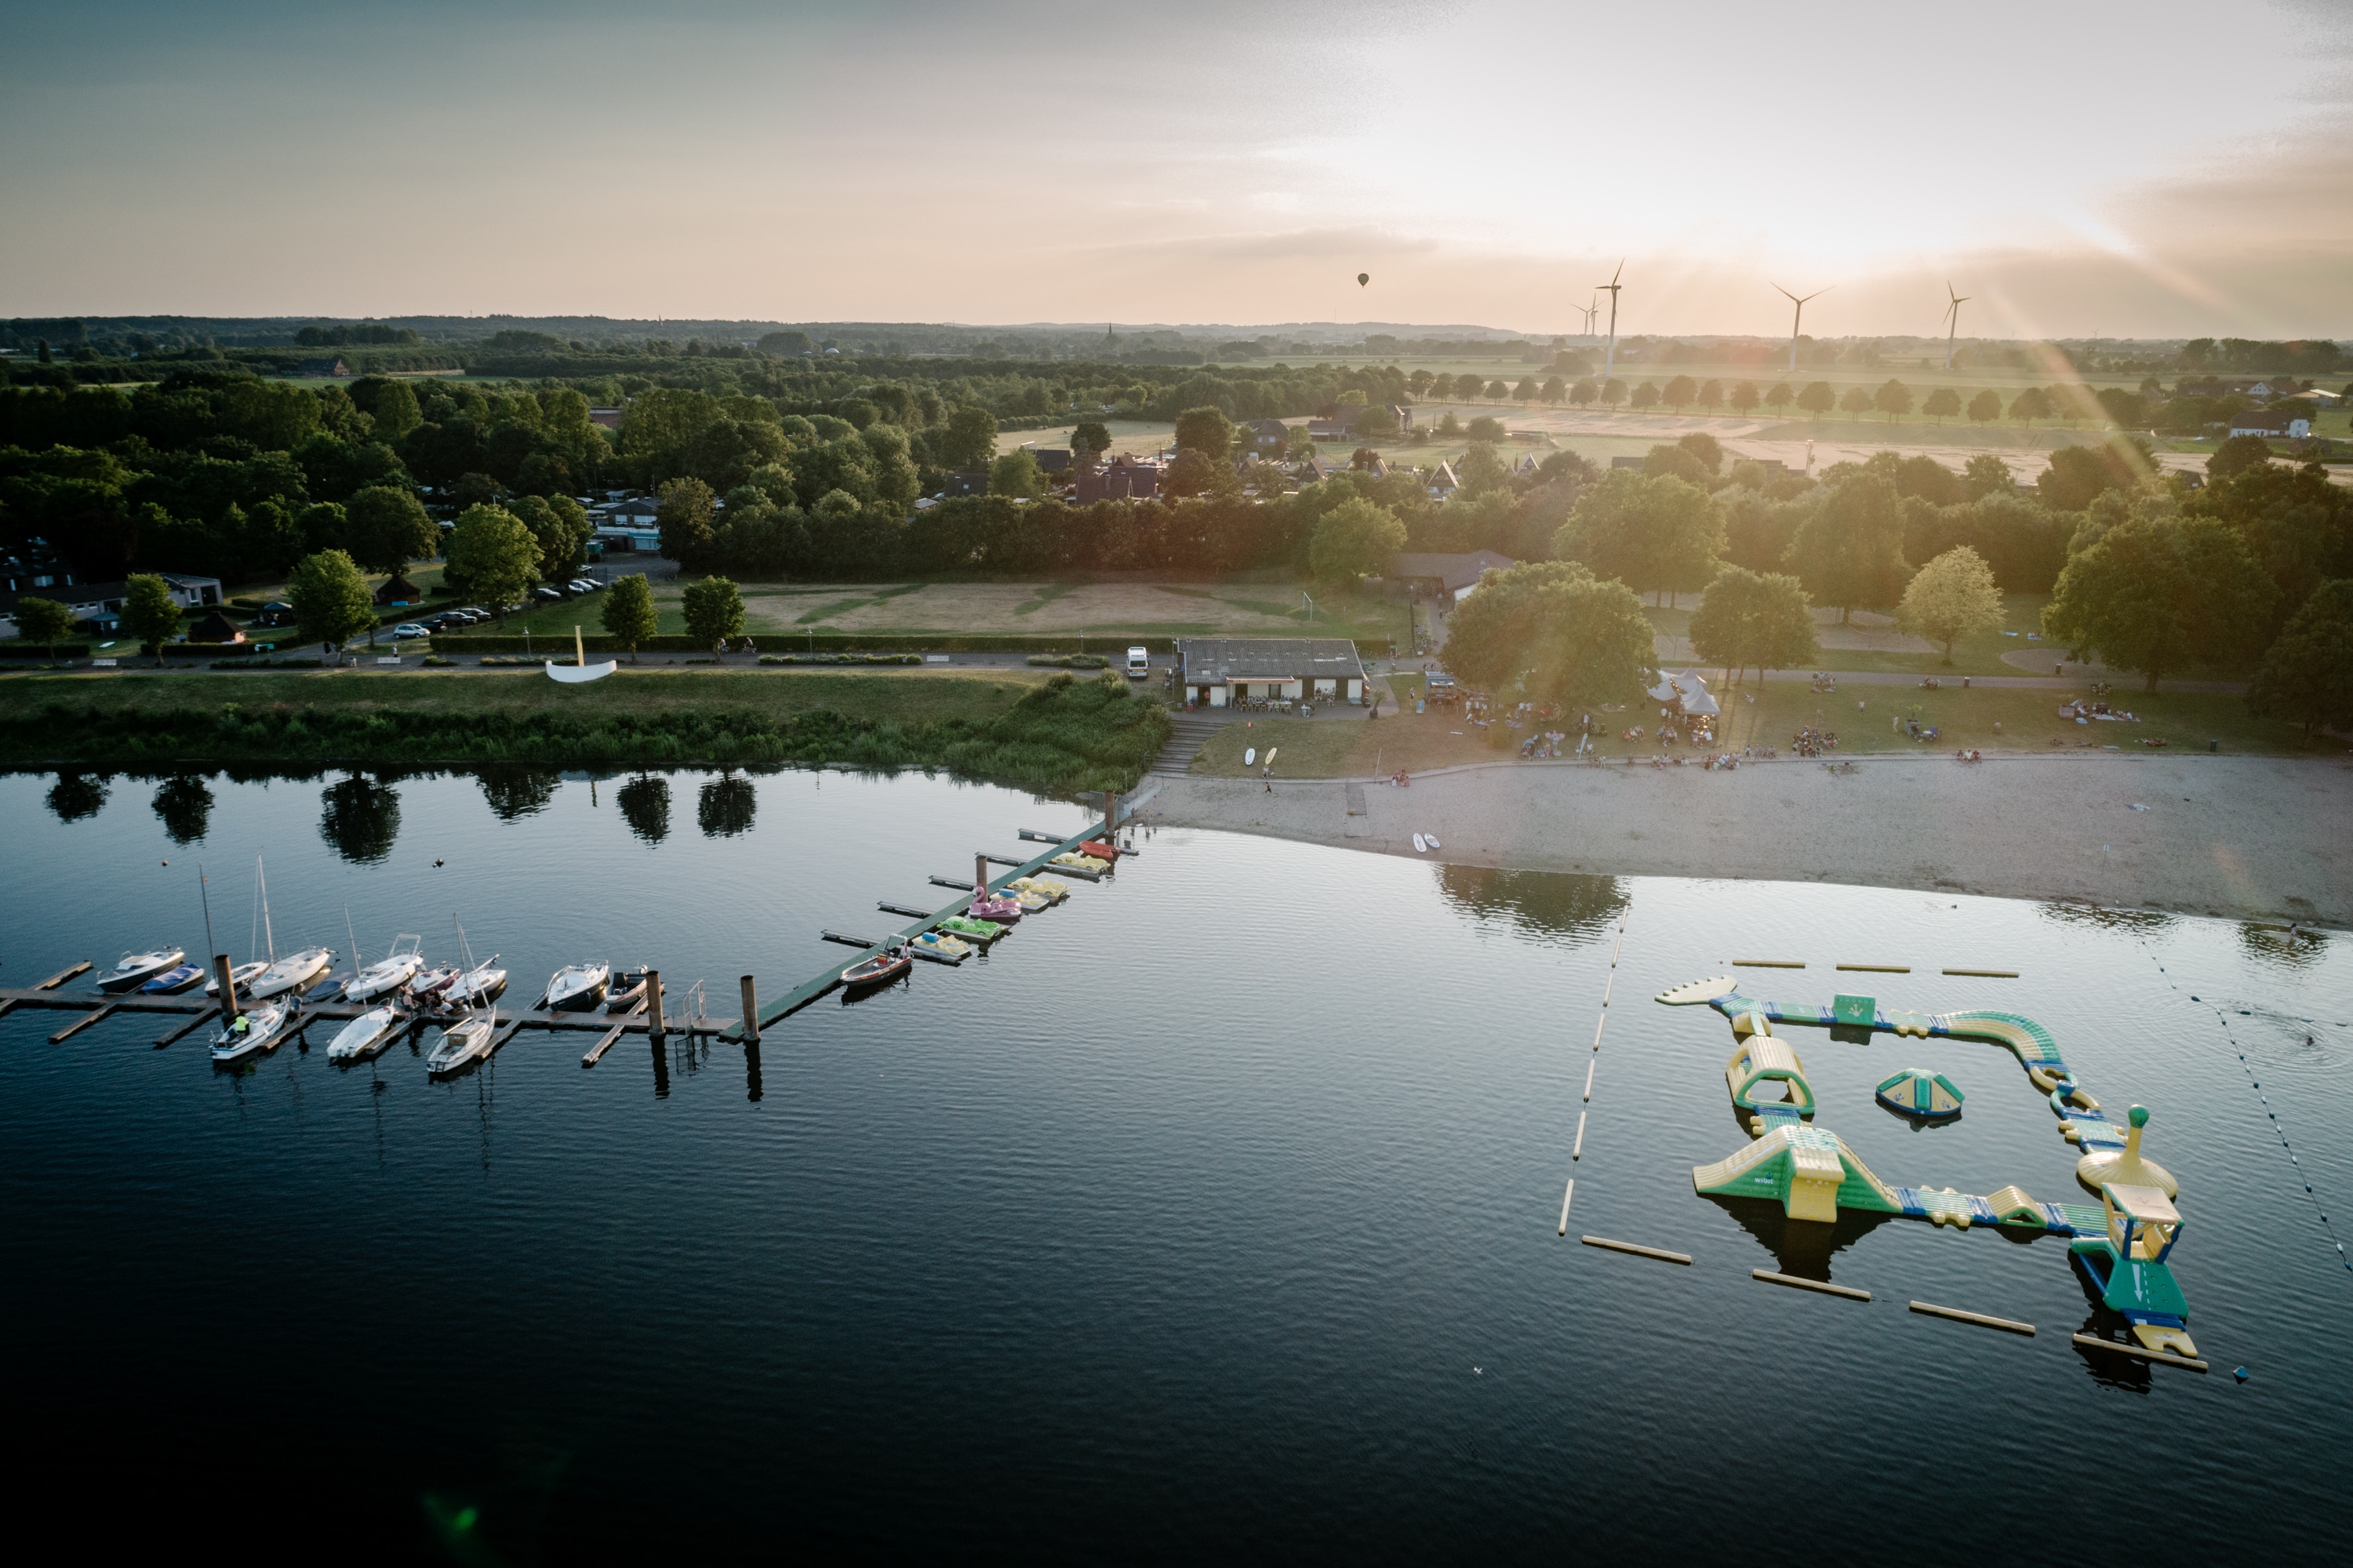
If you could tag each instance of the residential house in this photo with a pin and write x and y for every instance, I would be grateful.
(610, 419)
(1267, 435)
(627, 526)
(2271, 426)
(215, 627)
(323, 367)
(1218, 672)
(1442, 482)
(1051, 459)
(1125, 478)
(1442, 576)
(101, 604)
(395, 590)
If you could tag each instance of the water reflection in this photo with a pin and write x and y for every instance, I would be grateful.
(2140, 922)
(724, 808)
(1540, 901)
(1803, 1247)
(2282, 946)
(361, 819)
(185, 802)
(77, 795)
(645, 805)
(518, 792)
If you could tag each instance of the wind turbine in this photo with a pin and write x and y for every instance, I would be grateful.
(1609, 365)
(1589, 312)
(1953, 314)
(1796, 317)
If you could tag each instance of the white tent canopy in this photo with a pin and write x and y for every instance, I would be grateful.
(1690, 688)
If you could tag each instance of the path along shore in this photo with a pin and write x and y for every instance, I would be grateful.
(2241, 837)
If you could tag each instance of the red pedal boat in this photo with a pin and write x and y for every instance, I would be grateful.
(1099, 850)
(880, 970)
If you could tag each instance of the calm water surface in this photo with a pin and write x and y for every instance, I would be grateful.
(1214, 1212)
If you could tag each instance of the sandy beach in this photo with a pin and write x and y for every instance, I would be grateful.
(2250, 838)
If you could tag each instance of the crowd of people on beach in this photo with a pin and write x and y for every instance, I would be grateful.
(1812, 742)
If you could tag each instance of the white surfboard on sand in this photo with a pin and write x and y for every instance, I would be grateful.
(1430, 838)
(1420, 844)
(1250, 756)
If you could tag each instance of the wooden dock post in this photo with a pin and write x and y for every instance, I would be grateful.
(751, 1025)
(980, 875)
(654, 1005)
(228, 991)
(1110, 815)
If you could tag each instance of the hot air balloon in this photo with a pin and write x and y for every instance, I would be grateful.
(1362, 279)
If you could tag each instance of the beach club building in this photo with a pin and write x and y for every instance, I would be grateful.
(1218, 672)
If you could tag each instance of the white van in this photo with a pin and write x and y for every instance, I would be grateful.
(1139, 664)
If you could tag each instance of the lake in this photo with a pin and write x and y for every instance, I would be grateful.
(1213, 1211)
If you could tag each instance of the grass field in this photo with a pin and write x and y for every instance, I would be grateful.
(1417, 743)
(1061, 610)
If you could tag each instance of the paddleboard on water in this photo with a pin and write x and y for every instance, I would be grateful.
(1420, 844)
(1250, 756)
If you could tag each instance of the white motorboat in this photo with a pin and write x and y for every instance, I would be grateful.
(135, 969)
(578, 988)
(365, 1035)
(254, 1032)
(389, 973)
(292, 972)
(461, 1045)
(241, 976)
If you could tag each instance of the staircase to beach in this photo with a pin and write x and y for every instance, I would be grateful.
(1188, 733)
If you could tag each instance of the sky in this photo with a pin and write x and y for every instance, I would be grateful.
(2083, 168)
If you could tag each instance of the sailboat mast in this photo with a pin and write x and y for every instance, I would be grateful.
(262, 876)
(207, 897)
(351, 934)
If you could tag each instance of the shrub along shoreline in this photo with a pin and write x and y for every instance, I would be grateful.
(1057, 738)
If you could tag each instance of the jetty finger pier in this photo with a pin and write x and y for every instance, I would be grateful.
(1062, 857)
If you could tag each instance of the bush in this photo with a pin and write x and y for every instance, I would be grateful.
(1068, 661)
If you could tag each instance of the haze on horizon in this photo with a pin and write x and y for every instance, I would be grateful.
(2097, 169)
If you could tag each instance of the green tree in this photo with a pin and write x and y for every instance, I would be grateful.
(331, 599)
(714, 610)
(1892, 398)
(2306, 677)
(1850, 552)
(1205, 430)
(1744, 397)
(1653, 532)
(1613, 392)
(967, 441)
(1949, 599)
(2033, 404)
(1481, 469)
(42, 620)
(1856, 401)
(1748, 618)
(1646, 396)
(684, 508)
(1683, 389)
(2158, 593)
(1584, 392)
(1942, 402)
(1090, 439)
(1555, 390)
(1526, 392)
(629, 614)
(151, 614)
(1985, 474)
(1817, 399)
(384, 528)
(1191, 474)
(1355, 539)
(1986, 406)
(2236, 454)
(1711, 395)
(1484, 428)
(1552, 631)
(559, 525)
(1377, 423)
(492, 554)
(1016, 473)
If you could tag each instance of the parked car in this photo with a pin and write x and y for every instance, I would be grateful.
(582, 585)
(549, 594)
(408, 629)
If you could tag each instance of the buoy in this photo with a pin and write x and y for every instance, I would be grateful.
(2240, 1372)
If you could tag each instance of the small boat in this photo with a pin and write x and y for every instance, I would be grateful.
(327, 990)
(578, 988)
(1101, 850)
(462, 1044)
(365, 1035)
(1004, 911)
(241, 976)
(478, 985)
(249, 1033)
(134, 969)
(626, 992)
(880, 970)
(389, 973)
(1031, 903)
(940, 947)
(172, 982)
(293, 973)
(1046, 887)
(1078, 862)
(981, 932)
(427, 985)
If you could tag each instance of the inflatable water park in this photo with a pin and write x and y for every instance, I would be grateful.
(2121, 1246)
